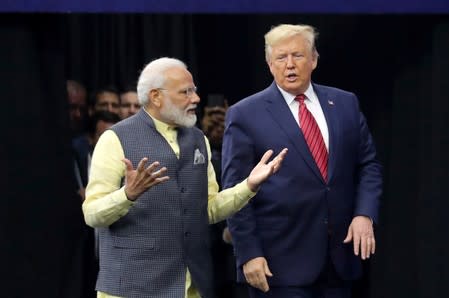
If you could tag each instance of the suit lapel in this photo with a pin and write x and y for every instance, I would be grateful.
(328, 105)
(278, 109)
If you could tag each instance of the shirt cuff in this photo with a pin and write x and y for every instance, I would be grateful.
(243, 192)
(121, 200)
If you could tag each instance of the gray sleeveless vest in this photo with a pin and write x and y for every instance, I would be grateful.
(146, 252)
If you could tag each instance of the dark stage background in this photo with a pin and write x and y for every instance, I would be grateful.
(396, 64)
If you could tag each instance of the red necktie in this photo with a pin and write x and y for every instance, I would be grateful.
(313, 136)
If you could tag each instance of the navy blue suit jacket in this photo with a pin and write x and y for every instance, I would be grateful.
(297, 218)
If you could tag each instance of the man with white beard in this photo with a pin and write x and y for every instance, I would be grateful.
(153, 219)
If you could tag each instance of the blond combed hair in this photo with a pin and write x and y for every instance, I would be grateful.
(284, 31)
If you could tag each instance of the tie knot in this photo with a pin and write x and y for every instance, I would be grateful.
(300, 98)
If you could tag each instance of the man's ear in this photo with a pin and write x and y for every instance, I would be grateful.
(155, 97)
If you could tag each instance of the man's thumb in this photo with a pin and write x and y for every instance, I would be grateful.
(348, 237)
(267, 270)
(128, 164)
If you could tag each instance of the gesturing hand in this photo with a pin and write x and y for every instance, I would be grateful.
(141, 179)
(263, 170)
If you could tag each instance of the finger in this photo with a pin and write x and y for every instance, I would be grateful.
(364, 247)
(159, 172)
(283, 153)
(267, 270)
(266, 157)
(369, 246)
(150, 169)
(348, 237)
(373, 245)
(141, 165)
(279, 159)
(158, 177)
(128, 164)
(356, 244)
(161, 179)
(262, 283)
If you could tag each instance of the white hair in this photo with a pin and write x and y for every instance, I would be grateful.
(153, 76)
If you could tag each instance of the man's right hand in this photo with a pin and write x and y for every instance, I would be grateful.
(141, 179)
(256, 272)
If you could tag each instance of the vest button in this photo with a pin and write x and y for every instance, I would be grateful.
(183, 190)
(187, 234)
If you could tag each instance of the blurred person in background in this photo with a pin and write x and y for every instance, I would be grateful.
(129, 102)
(77, 100)
(84, 145)
(225, 283)
(105, 99)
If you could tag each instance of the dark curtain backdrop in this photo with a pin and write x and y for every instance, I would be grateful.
(396, 64)
(112, 49)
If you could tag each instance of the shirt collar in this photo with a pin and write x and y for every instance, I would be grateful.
(289, 98)
(159, 125)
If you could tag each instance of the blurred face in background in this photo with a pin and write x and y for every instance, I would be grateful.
(213, 124)
(107, 101)
(129, 104)
(77, 106)
(100, 128)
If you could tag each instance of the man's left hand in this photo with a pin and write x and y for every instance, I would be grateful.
(265, 169)
(361, 233)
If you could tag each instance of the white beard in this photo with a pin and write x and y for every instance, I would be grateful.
(180, 117)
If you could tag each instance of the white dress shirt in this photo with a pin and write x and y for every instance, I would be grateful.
(313, 105)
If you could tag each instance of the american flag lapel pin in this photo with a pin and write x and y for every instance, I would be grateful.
(330, 102)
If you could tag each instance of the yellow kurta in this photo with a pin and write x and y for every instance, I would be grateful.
(106, 201)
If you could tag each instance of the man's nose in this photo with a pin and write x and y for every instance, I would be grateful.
(290, 63)
(195, 98)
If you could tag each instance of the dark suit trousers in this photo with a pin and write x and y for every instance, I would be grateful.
(328, 285)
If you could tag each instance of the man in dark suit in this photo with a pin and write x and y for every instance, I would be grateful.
(312, 223)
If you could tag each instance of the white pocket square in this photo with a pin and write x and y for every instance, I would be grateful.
(198, 157)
